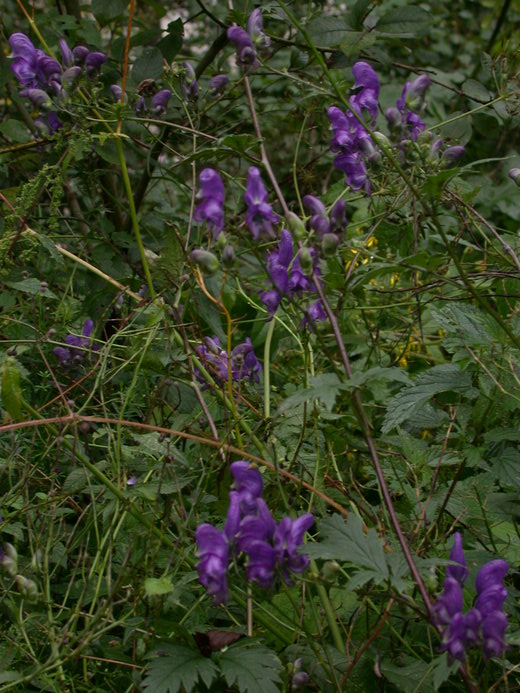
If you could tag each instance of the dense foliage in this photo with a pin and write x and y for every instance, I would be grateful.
(260, 359)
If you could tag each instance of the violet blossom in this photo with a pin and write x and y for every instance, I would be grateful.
(271, 550)
(218, 83)
(259, 216)
(78, 346)
(241, 363)
(160, 102)
(485, 623)
(211, 209)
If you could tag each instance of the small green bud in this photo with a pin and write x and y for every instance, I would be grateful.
(330, 570)
(305, 258)
(381, 140)
(329, 244)
(9, 560)
(205, 260)
(221, 241)
(27, 588)
(296, 226)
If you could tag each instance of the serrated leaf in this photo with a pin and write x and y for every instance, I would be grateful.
(31, 286)
(415, 676)
(171, 44)
(251, 668)
(76, 481)
(444, 378)
(355, 41)
(324, 387)
(404, 20)
(327, 31)
(11, 390)
(346, 541)
(157, 586)
(178, 667)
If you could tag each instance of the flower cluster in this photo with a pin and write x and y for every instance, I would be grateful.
(78, 346)
(271, 549)
(356, 143)
(44, 80)
(241, 362)
(352, 140)
(259, 216)
(289, 277)
(483, 625)
(248, 42)
(212, 194)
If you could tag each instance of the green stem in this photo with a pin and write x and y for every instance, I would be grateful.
(329, 611)
(133, 216)
(267, 369)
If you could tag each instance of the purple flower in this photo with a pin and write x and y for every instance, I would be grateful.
(493, 629)
(248, 483)
(211, 208)
(449, 603)
(245, 51)
(242, 363)
(454, 639)
(366, 86)
(80, 53)
(259, 216)
(93, 62)
(48, 124)
(67, 56)
(214, 560)
(245, 363)
(255, 27)
(319, 219)
(190, 88)
(459, 572)
(218, 83)
(288, 537)
(492, 573)
(160, 102)
(78, 345)
(116, 92)
(453, 154)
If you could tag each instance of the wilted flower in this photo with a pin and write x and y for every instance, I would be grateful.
(211, 209)
(259, 216)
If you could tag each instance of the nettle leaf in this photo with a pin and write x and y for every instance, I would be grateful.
(404, 20)
(178, 667)
(444, 378)
(324, 387)
(346, 541)
(251, 668)
(328, 31)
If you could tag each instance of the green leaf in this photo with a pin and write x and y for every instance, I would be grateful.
(251, 668)
(346, 541)
(106, 10)
(10, 676)
(31, 286)
(324, 387)
(171, 44)
(148, 66)
(444, 378)
(157, 586)
(328, 31)
(413, 677)
(15, 131)
(404, 20)
(11, 390)
(178, 667)
(355, 41)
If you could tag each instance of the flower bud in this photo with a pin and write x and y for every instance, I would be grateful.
(381, 140)
(330, 570)
(305, 258)
(228, 256)
(453, 154)
(416, 92)
(39, 98)
(329, 244)
(393, 118)
(296, 226)
(514, 174)
(27, 588)
(205, 260)
(217, 84)
(9, 559)
(71, 76)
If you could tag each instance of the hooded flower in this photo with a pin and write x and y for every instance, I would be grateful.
(259, 216)
(78, 346)
(160, 102)
(243, 362)
(214, 561)
(211, 209)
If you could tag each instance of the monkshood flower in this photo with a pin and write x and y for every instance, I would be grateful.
(78, 345)
(271, 550)
(190, 88)
(245, 51)
(160, 102)
(218, 83)
(259, 216)
(211, 209)
(321, 222)
(483, 625)
(255, 27)
(410, 105)
(242, 363)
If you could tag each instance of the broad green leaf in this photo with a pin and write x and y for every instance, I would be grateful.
(148, 66)
(178, 668)
(324, 387)
(11, 390)
(171, 44)
(157, 586)
(251, 668)
(415, 676)
(106, 10)
(346, 541)
(444, 378)
(404, 20)
(15, 131)
(31, 286)
(328, 31)
(355, 41)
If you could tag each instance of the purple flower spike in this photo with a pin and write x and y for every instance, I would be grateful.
(245, 55)
(160, 102)
(454, 638)
(67, 57)
(259, 216)
(490, 574)
(493, 628)
(458, 572)
(211, 209)
(367, 82)
(93, 62)
(190, 88)
(213, 565)
(218, 83)
(450, 602)
(248, 483)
